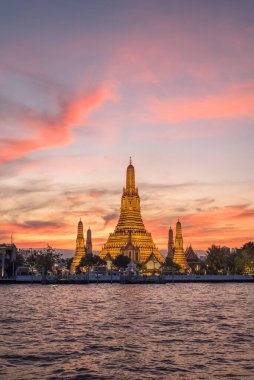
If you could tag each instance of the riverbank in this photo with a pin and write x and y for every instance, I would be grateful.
(126, 279)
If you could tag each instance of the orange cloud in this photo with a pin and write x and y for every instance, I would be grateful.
(229, 225)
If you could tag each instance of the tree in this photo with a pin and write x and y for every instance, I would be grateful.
(244, 261)
(68, 262)
(44, 260)
(232, 258)
(90, 260)
(121, 261)
(141, 267)
(169, 265)
(87, 260)
(216, 261)
(19, 260)
(98, 260)
(248, 247)
(31, 261)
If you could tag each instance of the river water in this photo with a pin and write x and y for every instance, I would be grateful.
(104, 331)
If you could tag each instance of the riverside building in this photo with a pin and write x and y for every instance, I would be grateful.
(8, 253)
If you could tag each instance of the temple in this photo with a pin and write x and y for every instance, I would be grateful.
(131, 251)
(194, 262)
(179, 256)
(130, 231)
(80, 249)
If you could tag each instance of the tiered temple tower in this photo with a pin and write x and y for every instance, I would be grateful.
(80, 248)
(89, 247)
(130, 220)
(131, 251)
(179, 256)
(170, 243)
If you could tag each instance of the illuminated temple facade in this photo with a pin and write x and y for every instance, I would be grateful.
(130, 230)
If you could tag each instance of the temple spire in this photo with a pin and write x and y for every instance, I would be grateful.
(80, 229)
(80, 248)
(89, 245)
(179, 256)
(130, 177)
(170, 242)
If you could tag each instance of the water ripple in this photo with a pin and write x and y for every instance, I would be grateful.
(186, 331)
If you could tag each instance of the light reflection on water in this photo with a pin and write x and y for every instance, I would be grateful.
(181, 331)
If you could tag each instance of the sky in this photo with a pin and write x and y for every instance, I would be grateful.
(86, 84)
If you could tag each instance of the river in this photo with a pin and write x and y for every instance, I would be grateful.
(104, 331)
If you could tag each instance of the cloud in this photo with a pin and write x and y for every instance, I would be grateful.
(34, 227)
(196, 116)
(51, 215)
(95, 193)
(204, 201)
(247, 214)
(39, 224)
(225, 225)
(111, 217)
(47, 131)
(228, 105)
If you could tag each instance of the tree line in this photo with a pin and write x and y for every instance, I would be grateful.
(239, 261)
(218, 261)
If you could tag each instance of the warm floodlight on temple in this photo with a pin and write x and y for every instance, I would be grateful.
(130, 235)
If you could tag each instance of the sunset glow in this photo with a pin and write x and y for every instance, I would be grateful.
(84, 85)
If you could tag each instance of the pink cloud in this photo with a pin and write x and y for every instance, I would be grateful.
(235, 102)
(47, 132)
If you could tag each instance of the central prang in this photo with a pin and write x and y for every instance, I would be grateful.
(130, 236)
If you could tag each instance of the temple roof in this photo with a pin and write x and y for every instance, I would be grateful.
(152, 256)
(108, 257)
(191, 255)
(130, 244)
